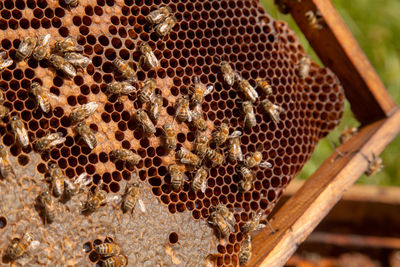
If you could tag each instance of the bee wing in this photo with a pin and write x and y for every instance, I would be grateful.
(58, 141)
(3, 54)
(184, 176)
(44, 40)
(189, 116)
(208, 90)
(235, 134)
(230, 226)
(87, 140)
(90, 108)
(23, 136)
(128, 88)
(203, 186)
(83, 179)
(43, 99)
(141, 205)
(6, 63)
(265, 164)
(115, 199)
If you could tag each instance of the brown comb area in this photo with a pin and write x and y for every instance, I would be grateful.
(253, 43)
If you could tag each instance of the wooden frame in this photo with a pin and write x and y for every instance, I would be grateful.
(371, 105)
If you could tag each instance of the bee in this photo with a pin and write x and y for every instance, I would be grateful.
(95, 200)
(76, 59)
(187, 157)
(19, 129)
(200, 180)
(247, 179)
(86, 134)
(4, 111)
(314, 20)
(198, 120)
(69, 44)
(107, 249)
(41, 50)
(347, 134)
(199, 91)
(126, 155)
(227, 73)
(57, 179)
(248, 90)
(226, 213)
(60, 63)
(218, 219)
(42, 98)
(253, 224)
(303, 67)
(83, 112)
(155, 107)
(200, 144)
(49, 141)
(144, 120)
(4, 62)
(374, 165)
(116, 261)
(176, 176)
(72, 3)
(264, 85)
(166, 26)
(18, 247)
(120, 88)
(126, 71)
(170, 136)
(131, 197)
(273, 110)
(26, 47)
(73, 188)
(235, 150)
(182, 111)
(147, 92)
(254, 159)
(45, 203)
(159, 15)
(221, 135)
(215, 157)
(5, 166)
(148, 57)
(245, 252)
(250, 118)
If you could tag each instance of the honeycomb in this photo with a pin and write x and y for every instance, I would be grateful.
(240, 31)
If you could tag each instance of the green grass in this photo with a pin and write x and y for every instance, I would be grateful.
(376, 26)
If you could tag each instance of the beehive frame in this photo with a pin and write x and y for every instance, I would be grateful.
(371, 105)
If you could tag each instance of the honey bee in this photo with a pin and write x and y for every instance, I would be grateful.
(159, 15)
(215, 157)
(199, 91)
(187, 157)
(200, 144)
(46, 206)
(116, 261)
(166, 26)
(131, 197)
(170, 136)
(148, 57)
(245, 252)
(182, 109)
(253, 224)
(303, 67)
(42, 98)
(235, 150)
(226, 213)
(41, 50)
(273, 110)
(198, 120)
(94, 200)
(221, 135)
(26, 47)
(19, 129)
(83, 112)
(57, 179)
(264, 85)
(19, 247)
(147, 92)
(69, 44)
(120, 88)
(247, 179)
(374, 165)
(61, 64)
(347, 134)
(5, 166)
(155, 107)
(227, 73)
(4, 111)
(107, 249)
(250, 118)
(219, 220)
(314, 20)
(4, 62)
(144, 120)
(248, 90)
(126, 155)
(254, 159)
(176, 176)
(199, 182)
(86, 134)
(126, 71)
(76, 59)
(72, 3)
(49, 141)
(73, 188)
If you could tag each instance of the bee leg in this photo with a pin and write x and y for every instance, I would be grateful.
(334, 146)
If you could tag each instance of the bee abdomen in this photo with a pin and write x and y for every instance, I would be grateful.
(107, 249)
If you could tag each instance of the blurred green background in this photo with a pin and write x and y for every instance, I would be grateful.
(376, 26)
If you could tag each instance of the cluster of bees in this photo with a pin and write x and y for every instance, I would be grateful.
(111, 253)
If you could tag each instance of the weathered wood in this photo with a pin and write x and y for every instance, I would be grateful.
(338, 50)
(301, 214)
